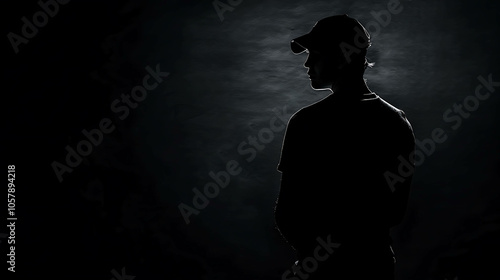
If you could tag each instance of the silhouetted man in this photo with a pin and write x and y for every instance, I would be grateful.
(339, 161)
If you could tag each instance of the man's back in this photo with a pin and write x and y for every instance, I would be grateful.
(334, 157)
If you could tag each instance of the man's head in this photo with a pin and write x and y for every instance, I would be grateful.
(337, 48)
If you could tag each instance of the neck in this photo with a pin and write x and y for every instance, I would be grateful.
(354, 86)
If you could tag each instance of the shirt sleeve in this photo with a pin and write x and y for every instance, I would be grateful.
(401, 189)
(291, 145)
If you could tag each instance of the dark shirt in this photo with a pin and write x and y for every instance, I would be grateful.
(334, 157)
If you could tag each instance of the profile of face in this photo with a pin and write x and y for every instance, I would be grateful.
(324, 71)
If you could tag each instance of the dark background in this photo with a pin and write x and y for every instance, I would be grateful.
(119, 208)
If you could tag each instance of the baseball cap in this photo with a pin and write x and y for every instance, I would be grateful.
(329, 33)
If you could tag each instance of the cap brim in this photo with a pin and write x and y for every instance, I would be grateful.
(300, 44)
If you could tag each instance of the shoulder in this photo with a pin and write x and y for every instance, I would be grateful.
(397, 117)
(312, 111)
(393, 109)
(389, 106)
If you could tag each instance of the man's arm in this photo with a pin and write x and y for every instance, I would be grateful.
(401, 190)
(399, 201)
(287, 209)
(285, 212)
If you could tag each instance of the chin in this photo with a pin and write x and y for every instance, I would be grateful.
(320, 86)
